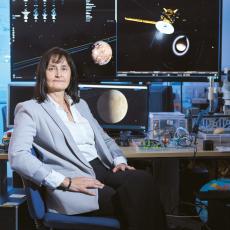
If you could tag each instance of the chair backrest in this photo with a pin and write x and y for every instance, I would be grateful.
(35, 202)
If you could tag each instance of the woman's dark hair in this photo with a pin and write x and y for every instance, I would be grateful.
(40, 92)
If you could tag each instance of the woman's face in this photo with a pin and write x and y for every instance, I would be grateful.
(58, 74)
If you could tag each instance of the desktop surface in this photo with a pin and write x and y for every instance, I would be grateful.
(135, 151)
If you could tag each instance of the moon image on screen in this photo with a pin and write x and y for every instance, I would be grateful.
(101, 53)
(112, 106)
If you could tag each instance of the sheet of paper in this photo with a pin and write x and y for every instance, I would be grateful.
(17, 195)
(223, 148)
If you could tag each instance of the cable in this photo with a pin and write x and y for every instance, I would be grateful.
(181, 97)
(195, 130)
(194, 155)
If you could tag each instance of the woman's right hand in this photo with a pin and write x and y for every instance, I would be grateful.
(83, 184)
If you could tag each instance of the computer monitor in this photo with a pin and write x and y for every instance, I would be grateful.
(168, 40)
(115, 107)
(17, 92)
(118, 107)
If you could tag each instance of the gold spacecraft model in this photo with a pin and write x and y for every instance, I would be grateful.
(165, 24)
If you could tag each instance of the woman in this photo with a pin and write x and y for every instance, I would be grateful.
(81, 167)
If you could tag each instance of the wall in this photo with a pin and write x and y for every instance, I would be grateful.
(226, 35)
(4, 60)
(4, 56)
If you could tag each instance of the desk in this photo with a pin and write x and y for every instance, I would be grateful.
(15, 216)
(137, 152)
(171, 165)
(165, 165)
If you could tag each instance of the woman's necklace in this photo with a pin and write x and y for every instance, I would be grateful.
(66, 107)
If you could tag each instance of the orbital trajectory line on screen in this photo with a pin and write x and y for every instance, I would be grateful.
(33, 61)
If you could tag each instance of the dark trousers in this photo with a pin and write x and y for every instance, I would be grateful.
(131, 196)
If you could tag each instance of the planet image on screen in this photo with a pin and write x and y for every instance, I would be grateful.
(101, 53)
(112, 106)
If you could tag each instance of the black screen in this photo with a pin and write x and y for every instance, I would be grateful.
(118, 107)
(191, 51)
(161, 99)
(74, 25)
(17, 93)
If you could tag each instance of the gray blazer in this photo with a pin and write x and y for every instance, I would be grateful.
(38, 125)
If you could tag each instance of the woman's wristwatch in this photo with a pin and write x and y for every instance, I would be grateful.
(66, 188)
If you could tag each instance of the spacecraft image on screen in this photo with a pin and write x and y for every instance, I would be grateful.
(171, 38)
(86, 29)
(121, 107)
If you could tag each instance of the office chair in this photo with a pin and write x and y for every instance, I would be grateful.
(47, 220)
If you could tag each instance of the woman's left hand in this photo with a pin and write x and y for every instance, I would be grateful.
(122, 167)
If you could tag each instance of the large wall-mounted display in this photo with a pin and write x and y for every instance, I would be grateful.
(85, 28)
(174, 39)
(122, 40)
